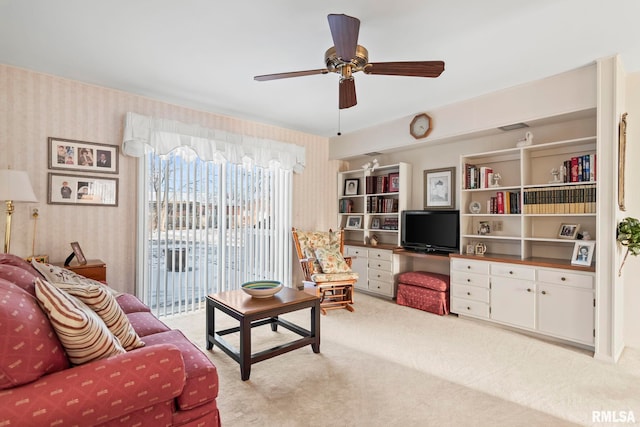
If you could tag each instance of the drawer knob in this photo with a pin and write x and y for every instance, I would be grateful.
(469, 280)
(563, 278)
(468, 267)
(468, 308)
(469, 293)
(544, 292)
(528, 289)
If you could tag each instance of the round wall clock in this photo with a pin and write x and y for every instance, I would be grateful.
(420, 126)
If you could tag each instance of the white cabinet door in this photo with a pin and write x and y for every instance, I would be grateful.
(513, 301)
(566, 312)
(359, 264)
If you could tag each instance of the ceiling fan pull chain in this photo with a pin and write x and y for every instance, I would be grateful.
(339, 133)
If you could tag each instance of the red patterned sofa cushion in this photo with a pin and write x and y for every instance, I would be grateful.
(146, 324)
(131, 304)
(202, 376)
(19, 276)
(29, 347)
(425, 279)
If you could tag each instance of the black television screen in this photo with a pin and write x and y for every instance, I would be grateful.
(431, 231)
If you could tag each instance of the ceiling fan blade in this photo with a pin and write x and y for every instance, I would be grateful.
(409, 68)
(347, 89)
(290, 74)
(344, 30)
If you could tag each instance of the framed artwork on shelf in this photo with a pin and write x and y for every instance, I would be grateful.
(351, 186)
(75, 155)
(394, 182)
(78, 253)
(440, 188)
(583, 252)
(82, 190)
(568, 231)
(375, 223)
(354, 222)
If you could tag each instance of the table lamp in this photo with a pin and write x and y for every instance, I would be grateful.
(14, 187)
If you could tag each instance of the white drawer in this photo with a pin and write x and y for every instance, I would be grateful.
(384, 288)
(380, 264)
(470, 266)
(470, 279)
(562, 277)
(470, 292)
(514, 271)
(380, 254)
(355, 251)
(469, 307)
(383, 275)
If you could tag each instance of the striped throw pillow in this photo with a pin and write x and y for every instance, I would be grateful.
(98, 298)
(82, 333)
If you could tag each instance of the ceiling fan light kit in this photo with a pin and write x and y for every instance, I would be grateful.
(347, 57)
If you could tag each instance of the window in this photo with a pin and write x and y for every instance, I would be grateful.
(208, 227)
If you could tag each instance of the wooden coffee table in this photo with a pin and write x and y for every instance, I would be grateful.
(252, 312)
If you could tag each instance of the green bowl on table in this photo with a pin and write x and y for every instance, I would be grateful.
(262, 288)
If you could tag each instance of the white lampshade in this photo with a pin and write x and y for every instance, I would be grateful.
(15, 186)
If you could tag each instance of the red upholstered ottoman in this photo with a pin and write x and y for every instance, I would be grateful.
(425, 291)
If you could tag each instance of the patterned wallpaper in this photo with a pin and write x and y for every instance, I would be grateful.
(35, 106)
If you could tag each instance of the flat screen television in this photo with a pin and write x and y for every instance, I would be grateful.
(436, 231)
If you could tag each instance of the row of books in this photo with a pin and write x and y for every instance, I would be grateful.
(390, 224)
(477, 177)
(376, 204)
(504, 202)
(345, 206)
(580, 168)
(382, 183)
(560, 200)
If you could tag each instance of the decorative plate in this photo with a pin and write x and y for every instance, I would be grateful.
(262, 288)
(474, 207)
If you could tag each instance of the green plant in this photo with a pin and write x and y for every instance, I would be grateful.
(629, 236)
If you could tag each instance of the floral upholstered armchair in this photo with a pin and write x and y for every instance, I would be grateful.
(327, 273)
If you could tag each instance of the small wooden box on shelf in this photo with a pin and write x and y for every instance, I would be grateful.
(94, 269)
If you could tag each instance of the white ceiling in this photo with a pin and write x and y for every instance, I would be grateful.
(204, 53)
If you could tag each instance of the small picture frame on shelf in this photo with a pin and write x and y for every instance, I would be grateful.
(351, 186)
(471, 249)
(583, 252)
(484, 228)
(375, 223)
(394, 182)
(354, 222)
(77, 251)
(568, 231)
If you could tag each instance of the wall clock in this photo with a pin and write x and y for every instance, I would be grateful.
(420, 126)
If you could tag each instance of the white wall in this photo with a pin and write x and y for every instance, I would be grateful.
(631, 270)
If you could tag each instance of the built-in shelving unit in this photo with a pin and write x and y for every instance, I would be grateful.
(522, 213)
(370, 203)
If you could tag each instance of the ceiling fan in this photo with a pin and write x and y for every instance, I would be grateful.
(347, 57)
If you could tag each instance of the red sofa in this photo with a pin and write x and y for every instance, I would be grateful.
(168, 382)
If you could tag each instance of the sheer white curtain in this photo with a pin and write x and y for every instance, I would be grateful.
(208, 225)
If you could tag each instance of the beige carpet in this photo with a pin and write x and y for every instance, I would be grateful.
(387, 365)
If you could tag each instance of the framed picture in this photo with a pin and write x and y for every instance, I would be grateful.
(351, 186)
(354, 221)
(82, 190)
(440, 188)
(583, 252)
(394, 182)
(568, 231)
(82, 156)
(375, 223)
(78, 253)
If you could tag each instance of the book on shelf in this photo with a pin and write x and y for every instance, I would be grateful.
(377, 184)
(580, 168)
(346, 206)
(379, 204)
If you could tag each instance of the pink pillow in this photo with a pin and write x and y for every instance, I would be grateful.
(30, 346)
(11, 259)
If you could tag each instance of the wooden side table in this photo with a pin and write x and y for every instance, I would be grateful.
(94, 269)
(253, 312)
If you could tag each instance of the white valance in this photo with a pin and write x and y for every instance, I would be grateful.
(143, 133)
